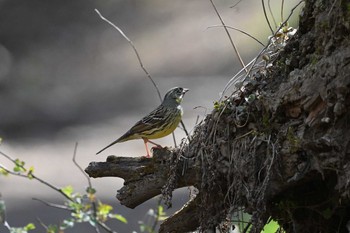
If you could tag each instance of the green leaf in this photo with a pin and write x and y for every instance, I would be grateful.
(161, 214)
(68, 190)
(271, 227)
(104, 209)
(30, 173)
(118, 217)
(19, 166)
(3, 171)
(162, 218)
(52, 229)
(30, 226)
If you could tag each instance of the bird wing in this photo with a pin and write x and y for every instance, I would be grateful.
(152, 121)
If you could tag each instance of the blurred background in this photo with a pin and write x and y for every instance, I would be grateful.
(66, 76)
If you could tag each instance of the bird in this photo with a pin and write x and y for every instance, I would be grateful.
(159, 123)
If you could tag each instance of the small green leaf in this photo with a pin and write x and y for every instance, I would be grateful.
(19, 166)
(68, 190)
(3, 171)
(271, 227)
(104, 209)
(52, 229)
(118, 217)
(30, 226)
(30, 173)
(162, 218)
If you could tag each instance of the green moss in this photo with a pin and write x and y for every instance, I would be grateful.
(314, 59)
(294, 141)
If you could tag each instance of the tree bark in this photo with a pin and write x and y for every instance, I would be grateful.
(279, 148)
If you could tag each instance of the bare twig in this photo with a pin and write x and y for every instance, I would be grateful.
(247, 227)
(228, 34)
(94, 207)
(140, 61)
(271, 13)
(236, 4)
(105, 227)
(333, 4)
(32, 176)
(135, 50)
(78, 166)
(42, 224)
(251, 64)
(62, 207)
(245, 33)
(266, 17)
(282, 6)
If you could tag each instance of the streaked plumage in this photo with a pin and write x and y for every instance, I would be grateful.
(159, 123)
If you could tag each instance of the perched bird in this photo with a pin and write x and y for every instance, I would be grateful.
(159, 123)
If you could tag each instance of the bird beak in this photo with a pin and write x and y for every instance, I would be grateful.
(185, 90)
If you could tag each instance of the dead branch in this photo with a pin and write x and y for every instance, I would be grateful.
(144, 177)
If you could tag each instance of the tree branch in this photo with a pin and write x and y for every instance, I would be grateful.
(144, 178)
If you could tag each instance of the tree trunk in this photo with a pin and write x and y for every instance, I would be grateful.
(279, 148)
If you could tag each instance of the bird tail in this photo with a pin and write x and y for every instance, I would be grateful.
(121, 139)
(116, 141)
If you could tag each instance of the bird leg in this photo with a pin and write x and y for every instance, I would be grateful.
(157, 145)
(145, 140)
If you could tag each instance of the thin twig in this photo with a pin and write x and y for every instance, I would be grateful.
(333, 4)
(78, 166)
(54, 188)
(228, 34)
(32, 175)
(42, 224)
(245, 33)
(266, 17)
(236, 4)
(271, 13)
(138, 58)
(105, 227)
(135, 50)
(94, 207)
(282, 6)
(252, 63)
(62, 207)
(184, 129)
(247, 227)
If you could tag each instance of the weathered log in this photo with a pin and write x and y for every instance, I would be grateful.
(144, 177)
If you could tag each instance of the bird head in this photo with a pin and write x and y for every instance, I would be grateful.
(174, 96)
